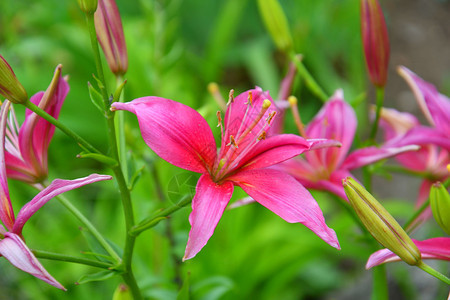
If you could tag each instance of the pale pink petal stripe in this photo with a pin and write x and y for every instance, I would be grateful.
(369, 155)
(176, 132)
(287, 198)
(208, 205)
(17, 253)
(57, 187)
(435, 248)
(6, 210)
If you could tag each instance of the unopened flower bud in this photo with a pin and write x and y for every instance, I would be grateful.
(88, 6)
(381, 225)
(122, 293)
(276, 23)
(10, 87)
(375, 41)
(440, 206)
(110, 35)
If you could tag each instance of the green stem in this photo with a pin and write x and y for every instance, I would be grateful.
(403, 170)
(367, 178)
(73, 259)
(379, 105)
(408, 225)
(311, 83)
(154, 220)
(64, 201)
(379, 289)
(40, 112)
(97, 59)
(120, 129)
(127, 275)
(433, 272)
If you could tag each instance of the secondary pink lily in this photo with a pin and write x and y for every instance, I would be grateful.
(324, 169)
(430, 161)
(12, 245)
(27, 147)
(435, 107)
(181, 136)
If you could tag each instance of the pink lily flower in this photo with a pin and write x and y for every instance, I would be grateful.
(12, 245)
(27, 146)
(325, 168)
(435, 107)
(435, 248)
(430, 160)
(181, 136)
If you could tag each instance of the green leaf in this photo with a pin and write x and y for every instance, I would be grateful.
(118, 91)
(99, 157)
(99, 276)
(96, 98)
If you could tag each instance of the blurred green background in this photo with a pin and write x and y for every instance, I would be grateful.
(175, 49)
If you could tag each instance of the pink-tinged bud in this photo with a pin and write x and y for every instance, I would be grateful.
(88, 6)
(381, 225)
(375, 41)
(440, 206)
(10, 87)
(110, 35)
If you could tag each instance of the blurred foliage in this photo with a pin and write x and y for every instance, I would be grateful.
(175, 49)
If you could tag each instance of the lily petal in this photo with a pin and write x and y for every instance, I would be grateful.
(17, 253)
(6, 210)
(287, 198)
(366, 156)
(396, 123)
(336, 121)
(208, 206)
(435, 248)
(421, 135)
(176, 132)
(36, 133)
(274, 150)
(57, 187)
(434, 105)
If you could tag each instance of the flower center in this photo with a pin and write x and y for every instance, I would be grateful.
(242, 132)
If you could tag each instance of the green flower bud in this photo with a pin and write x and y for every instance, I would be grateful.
(10, 87)
(276, 23)
(440, 206)
(88, 6)
(381, 225)
(122, 293)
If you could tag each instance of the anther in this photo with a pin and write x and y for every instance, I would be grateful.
(250, 98)
(262, 136)
(270, 117)
(230, 97)
(298, 121)
(266, 104)
(232, 142)
(219, 118)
